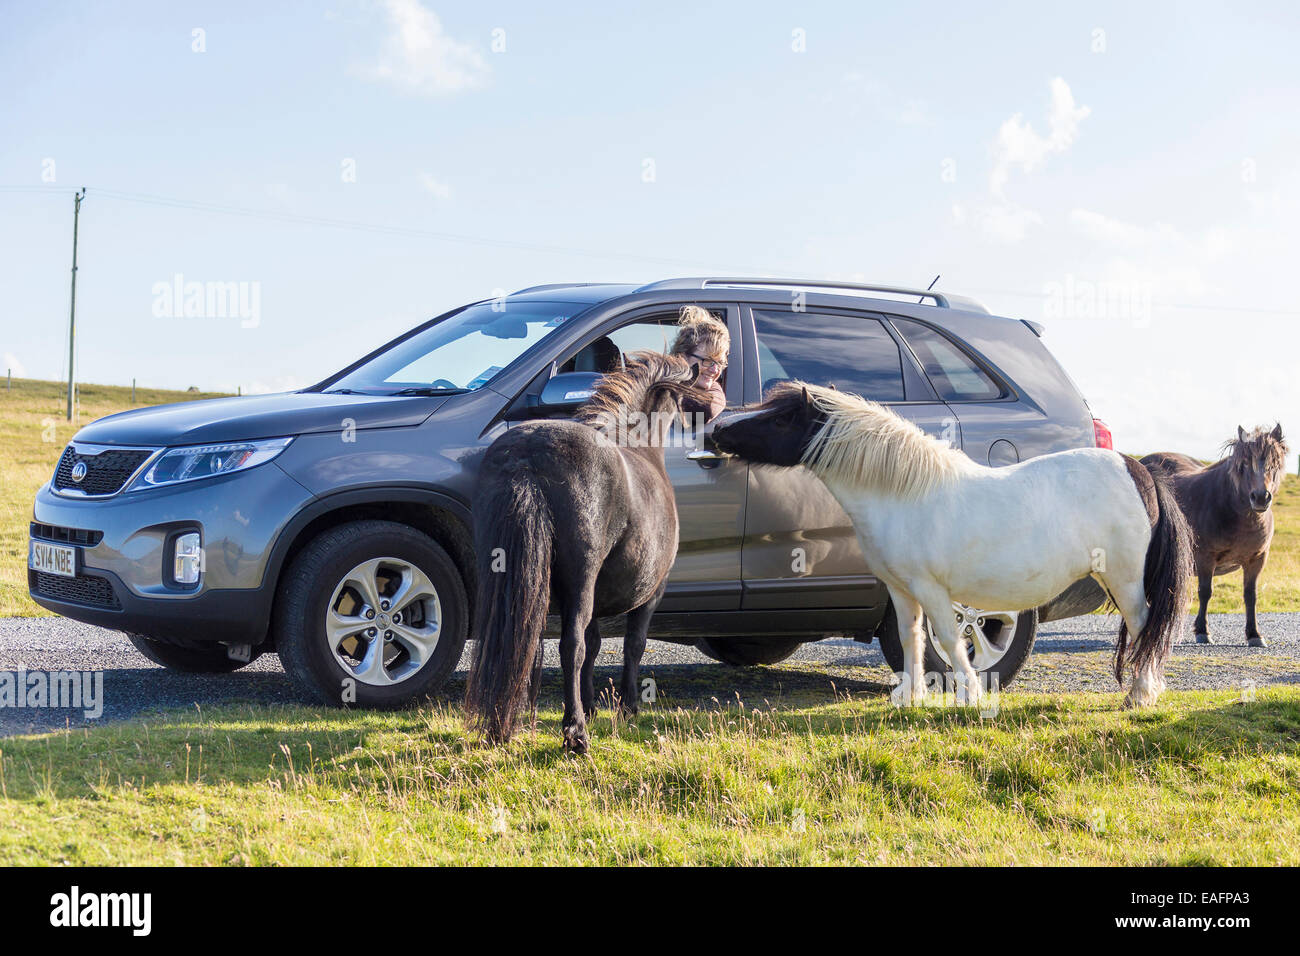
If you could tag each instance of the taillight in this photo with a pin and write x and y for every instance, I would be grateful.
(1102, 434)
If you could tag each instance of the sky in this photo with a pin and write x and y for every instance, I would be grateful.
(1126, 174)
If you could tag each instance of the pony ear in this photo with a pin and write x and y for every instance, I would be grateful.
(1277, 432)
(695, 373)
(832, 387)
(805, 394)
(1241, 433)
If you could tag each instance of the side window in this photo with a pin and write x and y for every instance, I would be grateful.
(608, 353)
(852, 352)
(654, 335)
(953, 373)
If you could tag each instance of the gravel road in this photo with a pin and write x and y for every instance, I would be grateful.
(1069, 655)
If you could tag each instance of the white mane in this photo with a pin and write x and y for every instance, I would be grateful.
(865, 444)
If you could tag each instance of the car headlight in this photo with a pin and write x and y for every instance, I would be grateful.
(207, 461)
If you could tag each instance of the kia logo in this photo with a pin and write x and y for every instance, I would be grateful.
(79, 471)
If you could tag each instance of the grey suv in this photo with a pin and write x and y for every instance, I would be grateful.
(331, 525)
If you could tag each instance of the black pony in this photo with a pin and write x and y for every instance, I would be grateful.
(579, 513)
(1227, 505)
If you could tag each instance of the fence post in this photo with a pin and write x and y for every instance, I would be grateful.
(132, 391)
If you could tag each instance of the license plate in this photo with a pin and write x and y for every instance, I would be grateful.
(52, 558)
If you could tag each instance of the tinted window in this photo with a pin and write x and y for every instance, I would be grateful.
(852, 352)
(953, 373)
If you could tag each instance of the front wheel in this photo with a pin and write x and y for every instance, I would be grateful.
(748, 651)
(996, 642)
(371, 614)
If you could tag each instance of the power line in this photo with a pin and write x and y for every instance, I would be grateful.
(149, 199)
(380, 228)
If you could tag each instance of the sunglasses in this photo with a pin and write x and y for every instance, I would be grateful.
(708, 364)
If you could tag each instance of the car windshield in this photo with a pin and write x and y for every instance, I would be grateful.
(460, 353)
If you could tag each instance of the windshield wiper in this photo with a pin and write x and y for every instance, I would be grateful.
(429, 390)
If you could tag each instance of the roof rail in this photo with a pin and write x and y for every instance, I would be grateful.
(560, 285)
(943, 300)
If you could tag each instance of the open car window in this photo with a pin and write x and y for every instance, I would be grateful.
(609, 352)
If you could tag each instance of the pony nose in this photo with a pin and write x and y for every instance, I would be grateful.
(1261, 499)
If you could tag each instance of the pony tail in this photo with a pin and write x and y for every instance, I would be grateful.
(513, 521)
(1165, 577)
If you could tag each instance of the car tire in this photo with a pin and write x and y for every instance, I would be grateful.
(190, 658)
(1015, 653)
(748, 651)
(327, 579)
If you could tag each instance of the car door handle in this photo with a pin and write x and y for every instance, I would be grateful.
(707, 457)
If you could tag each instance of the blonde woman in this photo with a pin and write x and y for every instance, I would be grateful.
(704, 341)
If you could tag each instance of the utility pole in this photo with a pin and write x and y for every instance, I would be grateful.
(72, 317)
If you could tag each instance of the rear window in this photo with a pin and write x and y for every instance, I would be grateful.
(953, 373)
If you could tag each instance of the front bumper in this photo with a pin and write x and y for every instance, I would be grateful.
(239, 517)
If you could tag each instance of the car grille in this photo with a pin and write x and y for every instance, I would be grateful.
(51, 532)
(83, 589)
(106, 472)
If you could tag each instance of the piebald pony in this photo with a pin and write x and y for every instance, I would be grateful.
(937, 527)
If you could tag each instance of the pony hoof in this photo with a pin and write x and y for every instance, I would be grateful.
(1203, 639)
(1256, 641)
(576, 740)
(1138, 700)
(628, 713)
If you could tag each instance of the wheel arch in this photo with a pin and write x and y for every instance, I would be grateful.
(443, 517)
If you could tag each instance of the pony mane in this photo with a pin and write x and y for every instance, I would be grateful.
(1262, 440)
(865, 444)
(629, 390)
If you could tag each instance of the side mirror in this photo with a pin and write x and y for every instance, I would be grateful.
(567, 390)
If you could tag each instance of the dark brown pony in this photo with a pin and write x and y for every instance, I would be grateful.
(579, 514)
(1227, 506)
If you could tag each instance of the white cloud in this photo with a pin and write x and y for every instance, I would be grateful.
(914, 113)
(1000, 222)
(1172, 263)
(419, 57)
(1020, 146)
(875, 96)
(1103, 228)
(434, 187)
(998, 218)
(17, 367)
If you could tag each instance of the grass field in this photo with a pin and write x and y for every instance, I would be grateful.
(33, 431)
(1204, 779)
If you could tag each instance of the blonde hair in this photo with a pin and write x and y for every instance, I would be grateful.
(700, 332)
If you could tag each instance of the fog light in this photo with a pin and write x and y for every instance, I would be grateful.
(188, 560)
